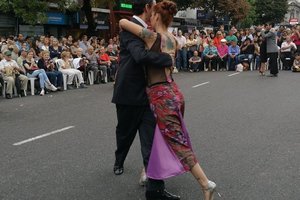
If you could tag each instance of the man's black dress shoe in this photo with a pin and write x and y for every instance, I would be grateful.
(118, 170)
(8, 96)
(161, 195)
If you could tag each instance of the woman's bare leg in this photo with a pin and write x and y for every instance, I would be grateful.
(202, 179)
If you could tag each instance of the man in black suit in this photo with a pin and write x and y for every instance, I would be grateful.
(133, 110)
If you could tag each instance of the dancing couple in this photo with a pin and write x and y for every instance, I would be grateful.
(145, 77)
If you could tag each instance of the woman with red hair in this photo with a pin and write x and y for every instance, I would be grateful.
(171, 153)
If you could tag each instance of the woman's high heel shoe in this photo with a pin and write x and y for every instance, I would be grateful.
(211, 187)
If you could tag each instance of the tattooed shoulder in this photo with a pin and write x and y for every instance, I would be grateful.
(146, 34)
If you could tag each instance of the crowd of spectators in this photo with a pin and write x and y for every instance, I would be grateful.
(51, 60)
(213, 50)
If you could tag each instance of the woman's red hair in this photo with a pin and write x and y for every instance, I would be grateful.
(167, 10)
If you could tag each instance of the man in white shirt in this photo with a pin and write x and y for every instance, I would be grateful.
(181, 61)
(11, 72)
(286, 53)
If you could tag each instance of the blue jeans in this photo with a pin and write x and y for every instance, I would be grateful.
(242, 57)
(181, 60)
(41, 74)
(232, 62)
(56, 78)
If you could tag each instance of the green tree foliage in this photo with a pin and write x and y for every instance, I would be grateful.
(30, 11)
(270, 10)
(251, 17)
(236, 10)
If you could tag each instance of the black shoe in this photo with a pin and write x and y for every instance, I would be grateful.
(161, 195)
(82, 86)
(70, 87)
(118, 170)
(8, 96)
(104, 82)
(23, 93)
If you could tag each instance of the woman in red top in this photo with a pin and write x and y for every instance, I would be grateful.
(296, 37)
(218, 38)
(105, 63)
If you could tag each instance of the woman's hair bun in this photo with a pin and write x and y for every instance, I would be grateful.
(170, 6)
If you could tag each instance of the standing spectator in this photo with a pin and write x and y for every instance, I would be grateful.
(181, 60)
(210, 56)
(47, 64)
(272, 49)
(191, 44)
(233, 52)
(257, 44)
(223, 55)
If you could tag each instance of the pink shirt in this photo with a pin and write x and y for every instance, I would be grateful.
(223, 50)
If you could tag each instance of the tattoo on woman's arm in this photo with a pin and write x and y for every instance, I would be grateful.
(145, 33)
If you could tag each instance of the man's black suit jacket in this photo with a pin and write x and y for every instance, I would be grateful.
(130, 83)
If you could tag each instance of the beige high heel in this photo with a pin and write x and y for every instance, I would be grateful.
(211, 187)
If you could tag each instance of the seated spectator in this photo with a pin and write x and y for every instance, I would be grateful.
(286, 53)
(223, 55)
(92, 57)
(33, 71)
(21, 58)
(113, 56)
(55, 49)
(1, 82)
(233, 52)
(52, 72)
(84, 43)
(45, 45)
(247, 53)
(296, 65)
(210, 55)
(105, 63)
(218, 38)
(195, 62)
(231, 37)
(66, 67)
(80, 62)
(12, 74)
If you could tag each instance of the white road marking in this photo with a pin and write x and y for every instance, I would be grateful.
(234, 74)
(42, 136)
(195, 86)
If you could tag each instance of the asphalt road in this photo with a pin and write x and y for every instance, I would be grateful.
(245, 130)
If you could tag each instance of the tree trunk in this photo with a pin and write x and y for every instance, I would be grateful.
(87, 8)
